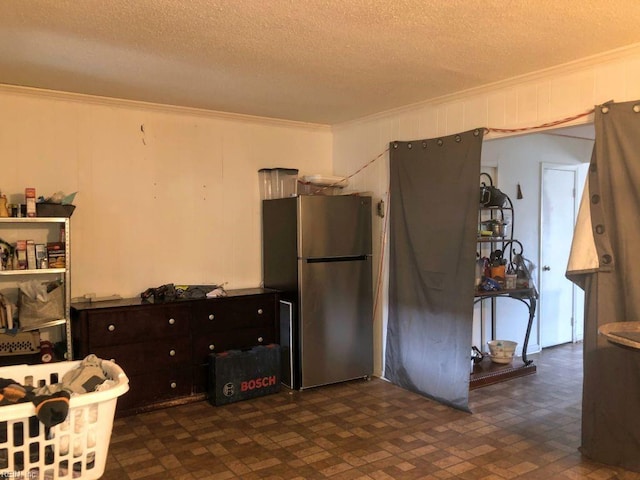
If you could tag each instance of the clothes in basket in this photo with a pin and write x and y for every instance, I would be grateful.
(75, 448)
(52, 401)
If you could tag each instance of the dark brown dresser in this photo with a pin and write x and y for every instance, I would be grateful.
(164, 347)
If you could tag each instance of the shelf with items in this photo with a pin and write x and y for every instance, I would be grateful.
(487, 372)
(41, 326)
(501, 273)
(14, 276)
(527, 296)
(34, 271)
(32, 220)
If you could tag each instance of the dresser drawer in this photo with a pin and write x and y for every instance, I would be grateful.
(234, 313)
(213, 342)
(137, 358)
(162, 385)
(133, 325)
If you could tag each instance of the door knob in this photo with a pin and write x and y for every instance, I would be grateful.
(546, 268)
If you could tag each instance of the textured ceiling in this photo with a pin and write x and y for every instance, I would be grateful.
(319, 61)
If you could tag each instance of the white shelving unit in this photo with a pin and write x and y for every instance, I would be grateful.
(40, 230)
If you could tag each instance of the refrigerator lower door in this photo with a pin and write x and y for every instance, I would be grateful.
(336, 324)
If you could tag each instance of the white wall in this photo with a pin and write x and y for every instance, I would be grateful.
(164, 194)
(526, 101)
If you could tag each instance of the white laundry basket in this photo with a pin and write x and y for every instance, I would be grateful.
(76, 448)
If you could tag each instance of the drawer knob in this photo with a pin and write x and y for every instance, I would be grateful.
(111, 327)
(260, 311)
(260, 339)
(172, 353)
(211, 316)
(212, 347)
(174, 384)
(172, 321)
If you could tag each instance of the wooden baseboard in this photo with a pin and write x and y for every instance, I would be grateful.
(198, 397)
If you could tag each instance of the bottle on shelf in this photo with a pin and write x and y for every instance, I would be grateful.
(4, 211)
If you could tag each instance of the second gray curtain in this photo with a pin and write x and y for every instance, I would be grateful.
(604, 262)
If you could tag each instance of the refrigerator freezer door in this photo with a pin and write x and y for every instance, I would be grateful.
(334, 226)
(336, 325)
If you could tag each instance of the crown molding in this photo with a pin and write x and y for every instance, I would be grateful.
(511, 82)
(156, 107)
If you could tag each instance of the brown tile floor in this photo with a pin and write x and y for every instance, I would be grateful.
(527, 428)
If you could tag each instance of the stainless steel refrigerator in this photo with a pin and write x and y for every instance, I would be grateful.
(317, 252)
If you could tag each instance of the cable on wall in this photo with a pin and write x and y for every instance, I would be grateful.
(383, 244)
(487, 130)
(544, 125)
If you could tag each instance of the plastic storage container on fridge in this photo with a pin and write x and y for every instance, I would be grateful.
(278, 183)
(264, 178)
(284, 182)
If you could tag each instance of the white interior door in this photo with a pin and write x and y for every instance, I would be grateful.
(557, 293)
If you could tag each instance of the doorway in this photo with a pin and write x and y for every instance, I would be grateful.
(560, 300)
(517, 162)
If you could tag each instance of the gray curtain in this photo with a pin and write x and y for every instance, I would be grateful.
(433, 222)
(605, 262)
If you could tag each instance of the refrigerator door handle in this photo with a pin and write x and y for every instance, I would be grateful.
(353, 258)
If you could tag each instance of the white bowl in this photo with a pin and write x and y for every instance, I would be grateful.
(502, 351)
(502, 360)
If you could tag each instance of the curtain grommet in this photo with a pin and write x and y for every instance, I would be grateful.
(607, 259)
(599, 229)
(440, 142)
(395, 145)
(458, 138)
(604, 109)
(476, 132)
(636, 108)
(424, 144)
(409, 146)
(595, 198)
